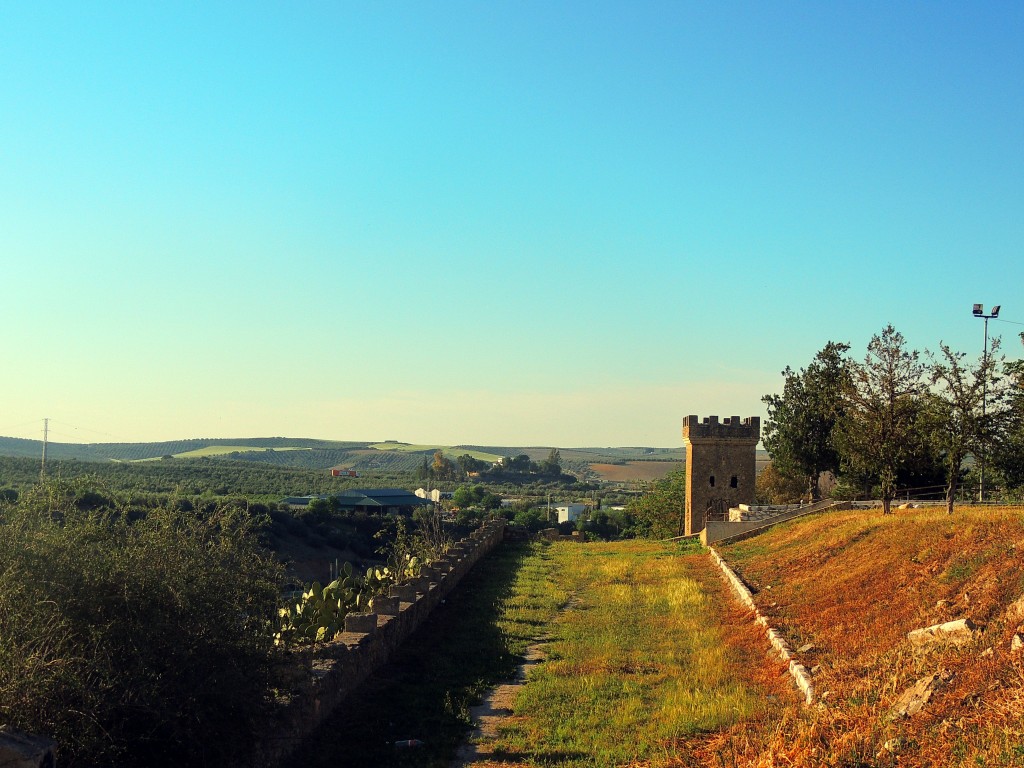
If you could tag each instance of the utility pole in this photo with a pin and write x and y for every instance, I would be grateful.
(46, 435)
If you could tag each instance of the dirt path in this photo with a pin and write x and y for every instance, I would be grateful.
(496, 706)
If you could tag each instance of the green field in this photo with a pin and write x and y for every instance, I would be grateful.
(447, 450)
(407, 447)
(221, 450)
(310, 453)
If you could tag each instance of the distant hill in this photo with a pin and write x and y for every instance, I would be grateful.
(308, 453)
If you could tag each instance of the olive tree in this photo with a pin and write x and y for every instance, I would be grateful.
(800, 431)
(883, 412)
(965, 404)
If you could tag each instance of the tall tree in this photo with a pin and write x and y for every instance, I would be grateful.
(882, 411)
(442, 467)
(800, 430)
(1008, 456)
(423, 470)
(553, 464)
(964, 405)
(773, 487)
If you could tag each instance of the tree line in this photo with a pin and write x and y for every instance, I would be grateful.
(510, 468)
(895, 421)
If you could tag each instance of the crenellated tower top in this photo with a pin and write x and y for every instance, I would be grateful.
(730, 428)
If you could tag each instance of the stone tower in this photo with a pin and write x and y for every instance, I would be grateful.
(720, 466)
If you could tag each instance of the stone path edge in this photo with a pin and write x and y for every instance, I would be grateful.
(797, 671)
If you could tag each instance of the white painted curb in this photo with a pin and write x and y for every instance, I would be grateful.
(798, 671)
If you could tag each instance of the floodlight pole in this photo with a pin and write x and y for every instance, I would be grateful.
(980, 312)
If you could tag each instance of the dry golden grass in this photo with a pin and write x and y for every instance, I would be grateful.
(853, 584)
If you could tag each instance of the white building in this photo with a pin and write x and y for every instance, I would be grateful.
(570, 513)
(434, 494)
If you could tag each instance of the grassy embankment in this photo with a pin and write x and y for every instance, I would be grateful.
(853, 584)
(652, 663)
(641, 663)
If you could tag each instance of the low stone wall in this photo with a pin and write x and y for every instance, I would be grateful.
(716, 531)
(326, 675)
(750, 513)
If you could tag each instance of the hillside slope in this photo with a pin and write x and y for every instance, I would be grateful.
(310, 453)
(851, 585)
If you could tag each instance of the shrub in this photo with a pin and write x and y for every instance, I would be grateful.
(533, 518)
(144, 642)
(659, 512)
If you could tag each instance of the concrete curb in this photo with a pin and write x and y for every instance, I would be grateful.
(797, 671)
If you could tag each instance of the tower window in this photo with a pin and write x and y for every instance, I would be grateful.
(711, 482)
(734, 482)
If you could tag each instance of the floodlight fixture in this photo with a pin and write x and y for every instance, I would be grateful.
(979, 311)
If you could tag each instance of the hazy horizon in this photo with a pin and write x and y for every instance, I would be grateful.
(524, 223)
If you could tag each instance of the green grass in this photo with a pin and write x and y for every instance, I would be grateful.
(633, 654)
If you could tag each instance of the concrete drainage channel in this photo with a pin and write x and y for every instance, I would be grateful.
(797, 671)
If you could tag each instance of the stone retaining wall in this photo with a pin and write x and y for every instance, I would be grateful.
(328, 674)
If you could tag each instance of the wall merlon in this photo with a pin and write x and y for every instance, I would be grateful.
(731, 428)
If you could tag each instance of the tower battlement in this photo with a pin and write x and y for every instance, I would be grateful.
(730, 428)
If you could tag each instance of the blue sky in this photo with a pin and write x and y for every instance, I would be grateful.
(525, 223)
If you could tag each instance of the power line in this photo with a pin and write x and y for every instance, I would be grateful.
(86, 429)
(33, 422)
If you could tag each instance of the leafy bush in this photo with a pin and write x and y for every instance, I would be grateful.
(145, 642)
(659, 512)
(532, 518)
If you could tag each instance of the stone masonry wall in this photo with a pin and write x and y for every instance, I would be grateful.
(328, 674)
(745, 512)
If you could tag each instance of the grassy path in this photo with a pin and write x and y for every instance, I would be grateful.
(639, 665)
